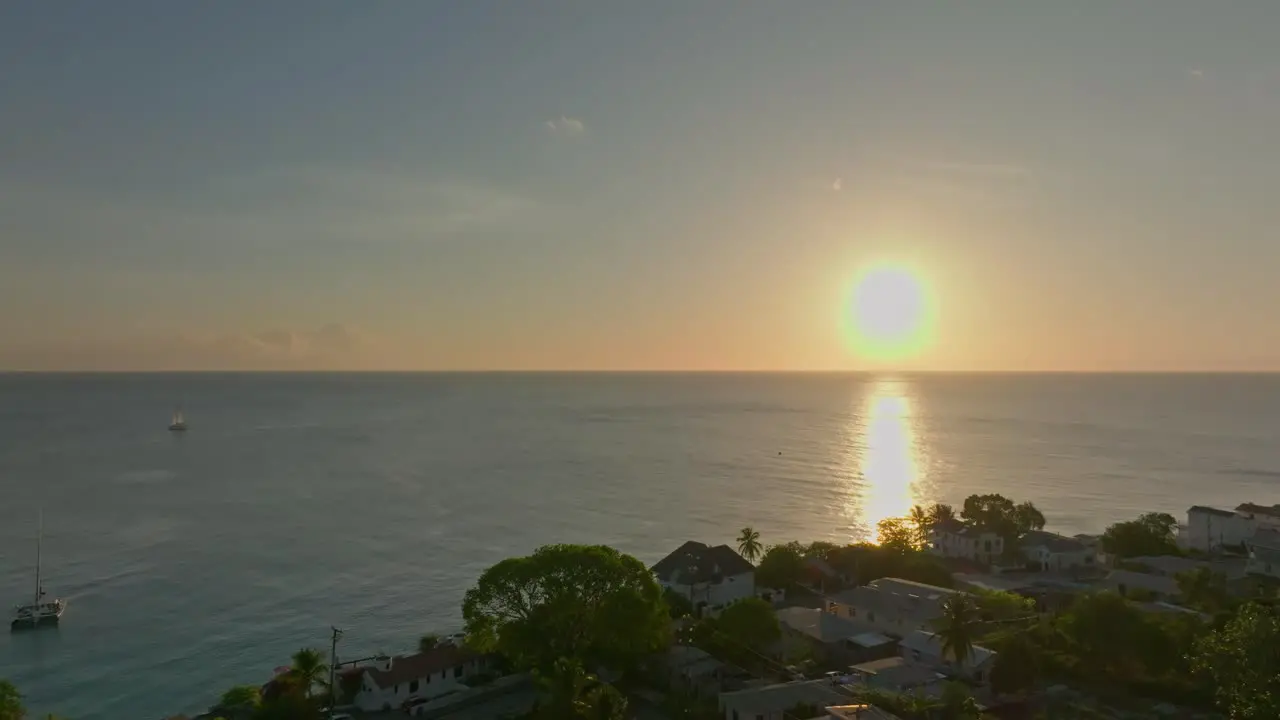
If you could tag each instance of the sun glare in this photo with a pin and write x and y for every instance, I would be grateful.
(890, 316)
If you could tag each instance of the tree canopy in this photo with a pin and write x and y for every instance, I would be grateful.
(1243, 661)
(751, 622)
(749, 543)
(10, 702)
(1150, 534)
(781, 566)
(898, 535)
(588, 603)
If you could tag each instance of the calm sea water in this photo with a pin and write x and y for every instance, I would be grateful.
(372, 502)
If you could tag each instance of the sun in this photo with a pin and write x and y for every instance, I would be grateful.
(890, 314)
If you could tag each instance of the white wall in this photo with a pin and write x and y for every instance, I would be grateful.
(1206, 531)
(730, 589)
(983, 548)
(372, 698)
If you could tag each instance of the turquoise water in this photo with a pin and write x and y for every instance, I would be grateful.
(194, 562)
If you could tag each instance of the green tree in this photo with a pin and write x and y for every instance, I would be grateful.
(604, 702)
(1016, 666)
(1243, 661)
(240, 701)
(561, 689)
(749, 544)
(781, 567)
(588, 603)
(940, 513)
(992, 513)
(996, 605)
(428, 642)
(751, 622)
(1150, 534)
(309, 670)
(10, 702)
(1103, 632)
(958, 702)
(897, 535)
(678, 605)
(921, 523)
(1204, 589)
(955, 627)
(820, 549)
(1027, 518)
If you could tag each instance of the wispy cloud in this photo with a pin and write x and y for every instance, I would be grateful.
(329, 347)
(975, 169)
(565, 126)
(838, 184)
(1196, 73)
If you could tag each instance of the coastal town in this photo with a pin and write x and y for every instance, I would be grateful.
(972, 612)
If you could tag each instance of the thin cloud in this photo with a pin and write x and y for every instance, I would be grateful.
(838, 184)
(978, 169)
(1196, 73)
(565, 126)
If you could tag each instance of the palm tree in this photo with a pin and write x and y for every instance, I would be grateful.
(920, 519)
(955, 627)
(308, 669)
(941, 513)
(749, 543)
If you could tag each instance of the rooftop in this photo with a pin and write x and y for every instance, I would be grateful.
(1203, 510)
(819, 625)
(782, 696)
(892, 597)
(1266, 538)
(895, 673)
(1254, 509)
(928, 645)
(859, 712)
(407, 668)
(1052, 541)
(1142, 581)
(699, 563)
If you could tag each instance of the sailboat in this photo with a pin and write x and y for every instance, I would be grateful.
(178, 424)
(40, 612)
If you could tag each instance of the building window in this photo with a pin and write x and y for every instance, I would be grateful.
(457, 671)
(987, 546)
(395, 689)
(413, 686)
(442, 674)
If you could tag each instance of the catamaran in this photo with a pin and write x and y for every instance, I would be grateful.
(40, 612)
(178, 424)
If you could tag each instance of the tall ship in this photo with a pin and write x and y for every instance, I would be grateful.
(40, 612)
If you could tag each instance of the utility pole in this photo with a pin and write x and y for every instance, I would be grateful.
(333, 671)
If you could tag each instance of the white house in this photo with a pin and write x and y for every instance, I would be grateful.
(390, 682)
(1209, 528)
(1049, 551)
(711, 577)
(1264, 515)
(955, 539)
(1264, 553)
(891, 605)
(925, 649)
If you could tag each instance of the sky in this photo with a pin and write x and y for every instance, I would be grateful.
(663, 185)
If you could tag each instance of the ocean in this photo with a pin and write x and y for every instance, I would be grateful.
(193, 562)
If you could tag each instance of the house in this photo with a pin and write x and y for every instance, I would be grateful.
(818, 573)
(709, 576)
(390, 682)
(1210, 529)
(774, 702)
(1129, 584)
(895, 674)
(891, 605)
(1050, 551)
(925, 649)
(1265, 516)
(1264, 554)
(693, 668)
(955, 539)
(830, 637)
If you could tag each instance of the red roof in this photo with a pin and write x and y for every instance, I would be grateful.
(407, 668)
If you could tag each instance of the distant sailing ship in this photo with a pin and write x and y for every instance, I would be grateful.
(178, 424)
(40, 612)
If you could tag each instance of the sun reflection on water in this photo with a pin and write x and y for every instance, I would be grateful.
(887, 458)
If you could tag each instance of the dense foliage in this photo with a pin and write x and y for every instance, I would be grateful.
(10, 702)
(751, 622)
(1150, 534)
(1243, 658)
(588, 603)
(781, 567)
